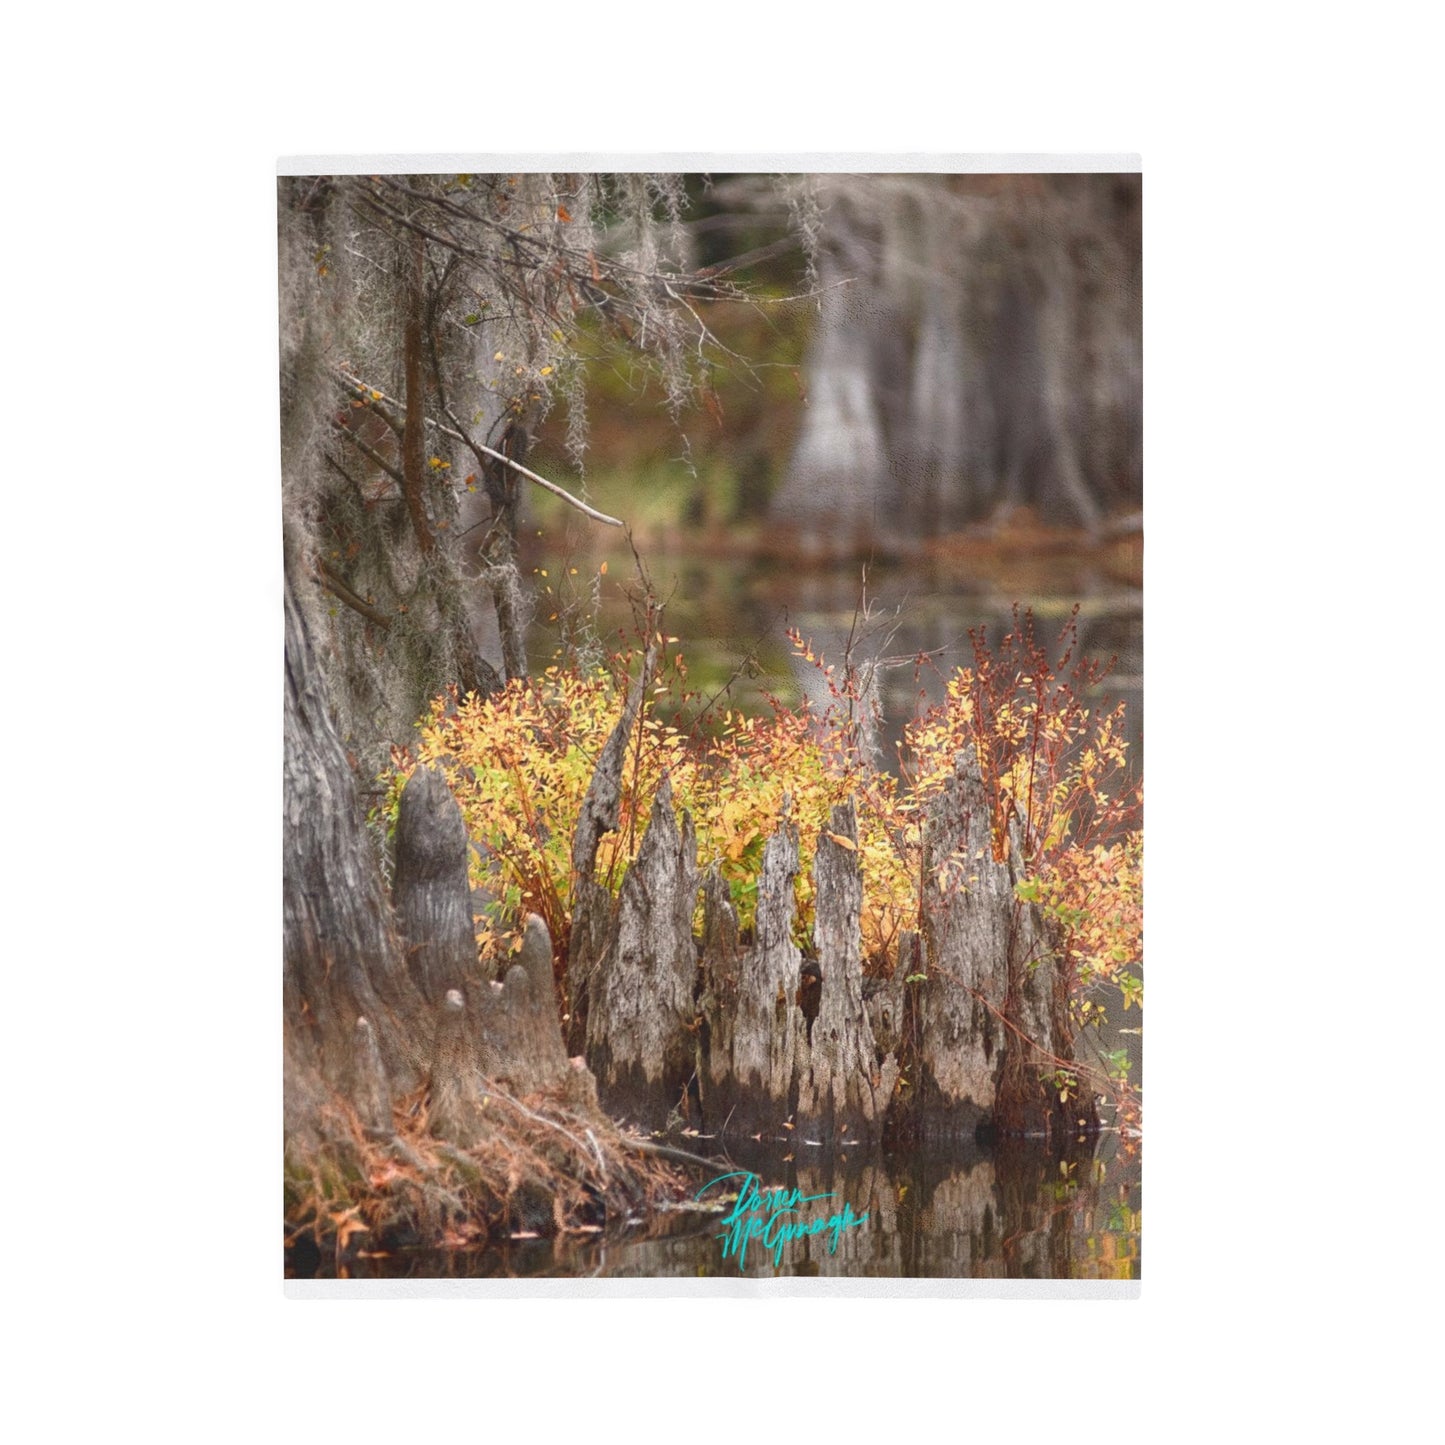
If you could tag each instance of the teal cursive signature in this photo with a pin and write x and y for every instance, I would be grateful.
(775, 1216)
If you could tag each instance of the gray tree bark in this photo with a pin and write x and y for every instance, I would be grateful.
(752, 1021)
(521, 1036)
(591, 903)
(641, 1032)
(989, 1025)
(430, 887)
(842, 1088)
(341, 957)
(969, 1035)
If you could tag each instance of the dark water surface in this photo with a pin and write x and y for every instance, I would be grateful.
(1013, 1213)
(731, 616)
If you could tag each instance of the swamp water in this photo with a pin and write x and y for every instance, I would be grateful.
(1014, 1212)
(731, 616)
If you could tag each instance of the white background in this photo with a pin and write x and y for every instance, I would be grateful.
(1292, 301)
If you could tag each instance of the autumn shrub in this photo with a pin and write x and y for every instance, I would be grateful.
(1056, 775)
(1060, 788)
(519, 765)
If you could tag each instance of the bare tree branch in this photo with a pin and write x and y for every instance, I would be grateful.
(373, 400)
(334, 585)
(480, 451)
(372, 455)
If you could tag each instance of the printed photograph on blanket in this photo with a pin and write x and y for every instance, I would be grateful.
(713, 688)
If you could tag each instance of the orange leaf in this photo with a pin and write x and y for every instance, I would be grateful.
(348, 1224)
(842, 842)
(563, 214)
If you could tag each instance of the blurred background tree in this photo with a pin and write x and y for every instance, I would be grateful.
(966, 349)
(977, 352)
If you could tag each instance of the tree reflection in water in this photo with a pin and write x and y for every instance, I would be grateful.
(1014, 1212)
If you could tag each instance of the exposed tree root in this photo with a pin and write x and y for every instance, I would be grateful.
(537, 1167)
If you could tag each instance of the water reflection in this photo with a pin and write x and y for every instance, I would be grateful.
(731, 615)
(1010, 1213)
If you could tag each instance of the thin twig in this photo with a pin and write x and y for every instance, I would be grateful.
(333, 584)
(666, 1151)
(371, 400)
(597, 1150)
(496, 1093)
(479, 450)
(549, 486)
(372, 455)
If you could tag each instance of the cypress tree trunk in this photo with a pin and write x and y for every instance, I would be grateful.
(842, 1090)
(342, 958)
(640, 1035)
(983, 355)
